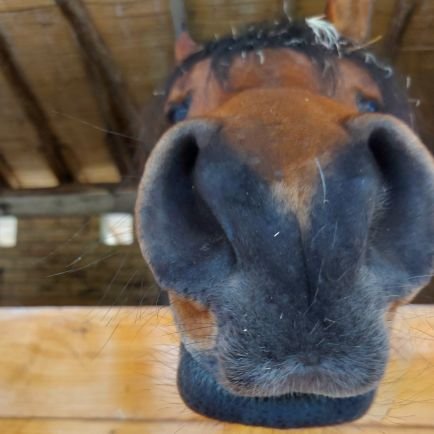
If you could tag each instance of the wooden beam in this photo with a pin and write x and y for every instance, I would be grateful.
(7, 175)
(100, 364)
(352, 18)
(28, 425)
(60, 202)
(288, 7)
(400, 18)
(117, 107)
(50, 144)
(179, 16)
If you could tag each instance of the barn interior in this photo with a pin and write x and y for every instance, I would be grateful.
(81, 90)
(81, 87)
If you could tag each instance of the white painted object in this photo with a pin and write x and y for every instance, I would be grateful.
(8, 231)
(117, 229)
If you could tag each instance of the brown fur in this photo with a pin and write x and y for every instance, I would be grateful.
(196, 323)
(292, 141)
(277, 121)
(280, 69)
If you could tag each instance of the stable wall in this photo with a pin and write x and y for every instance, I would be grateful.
(61, 261)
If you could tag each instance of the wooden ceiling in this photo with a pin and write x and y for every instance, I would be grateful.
(69, 74)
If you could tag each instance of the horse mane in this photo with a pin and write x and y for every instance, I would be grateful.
(314, 37)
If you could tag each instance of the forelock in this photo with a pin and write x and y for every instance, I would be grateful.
(314, 37)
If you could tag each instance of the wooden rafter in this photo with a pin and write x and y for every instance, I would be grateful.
(7, 175)
(50, 144)
(67, 201)
(288, 7)
(179, 16)
(401, 15)
(116, 105)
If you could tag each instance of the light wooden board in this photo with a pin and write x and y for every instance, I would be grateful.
(102, 370)
(46, 426)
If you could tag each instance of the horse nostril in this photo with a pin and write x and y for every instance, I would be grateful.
(188, 155)
(180, 236)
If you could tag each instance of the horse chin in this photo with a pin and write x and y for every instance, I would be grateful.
(202, 394)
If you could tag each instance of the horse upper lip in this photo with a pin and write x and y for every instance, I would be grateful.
(307, 380)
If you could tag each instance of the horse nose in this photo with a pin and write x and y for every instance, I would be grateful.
(309, 359)
(179, 233)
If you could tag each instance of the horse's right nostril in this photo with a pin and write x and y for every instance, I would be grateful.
(188, 153)
(180, 236)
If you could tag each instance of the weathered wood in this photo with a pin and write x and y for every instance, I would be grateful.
(399, 21)
(81, 366)
(50, 144)
(117, 106)
(352, 18)
(74, 426)
(46, 50)
(7, 175)
(289, 8)
(140, 38)
(179, 16)
(208, 20)
(61, 202)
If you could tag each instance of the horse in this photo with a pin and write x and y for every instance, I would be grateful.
(288, 211)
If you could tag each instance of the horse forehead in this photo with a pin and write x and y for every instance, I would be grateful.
(274, 68)
(283, 127)
(263, 68)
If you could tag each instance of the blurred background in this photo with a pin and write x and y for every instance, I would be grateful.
(80, 102)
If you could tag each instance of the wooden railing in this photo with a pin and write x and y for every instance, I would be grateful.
(112, 370)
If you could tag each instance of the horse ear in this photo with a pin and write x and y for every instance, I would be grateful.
(185, 46)
(352, 18)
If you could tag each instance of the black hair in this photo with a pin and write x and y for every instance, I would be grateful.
(302, 36)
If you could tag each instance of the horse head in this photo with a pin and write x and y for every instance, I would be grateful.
(287, 211)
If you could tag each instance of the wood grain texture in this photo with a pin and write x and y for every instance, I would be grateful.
(140, 37)
(45, 48)
(102, 370)
(49, 144)
(67, 426)
(116, 106)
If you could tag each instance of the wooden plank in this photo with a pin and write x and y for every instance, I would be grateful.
(140, 38)
(68, 426)
(45, 48)
(120, 364)
(50, 145)
(419, 35)
(179, 16)
(62, 262)
(21, 5)
(24, 165)
(67, 202)
(110, 89)
(208, 19)
(8, 179)
(399, 21)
